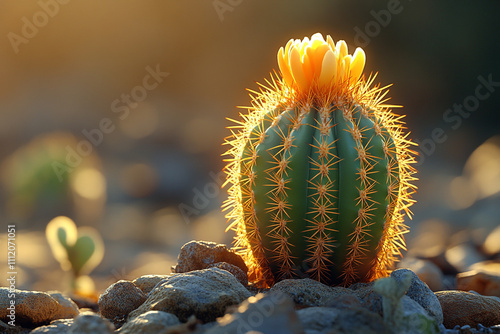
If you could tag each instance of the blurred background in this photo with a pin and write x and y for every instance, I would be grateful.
(113, 114)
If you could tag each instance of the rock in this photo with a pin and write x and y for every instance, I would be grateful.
(150, 322)
(147, 282)
(317, 318)
(463, 256)
(205, 293)
(449, 282)
(351, 320)
(481, 282)
(420, 292)
(67, 310)
(60, 326)
(120, 299)
(465, 308)
(427, 271)
(344, 301)
(7, 329)
(490, 267)
(442, 263)
(197, 255)
(90, 323)
(32, 308)
(491, 245)
(369, 298)
(237, 272)
(85, 302)
(308, 292)
(272, 313)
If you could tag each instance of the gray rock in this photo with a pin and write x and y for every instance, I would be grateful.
(317, 318)
(427, 271)
(308, 292)
(462, 256)
(90, 323)
(32, 308)
(120, 299)
(420, 292)
(67, 310)
(7, 329)
(344, 301)
(349, 320)
(272, 313)
(60, 326)
(147, 282)
(204, 293)
(236, 271)
(149, 322)
(370, 300)
(197, 255)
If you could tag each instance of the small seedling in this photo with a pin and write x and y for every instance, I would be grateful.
(77, 250)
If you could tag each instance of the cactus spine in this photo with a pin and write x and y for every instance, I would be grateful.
(320, 171)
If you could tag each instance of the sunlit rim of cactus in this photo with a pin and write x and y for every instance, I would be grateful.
(318, 74)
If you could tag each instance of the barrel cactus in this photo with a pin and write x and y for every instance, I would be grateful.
(320, 170)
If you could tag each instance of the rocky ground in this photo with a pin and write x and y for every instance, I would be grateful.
(208, 292)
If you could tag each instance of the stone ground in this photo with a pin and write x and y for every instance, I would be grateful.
(206, 294)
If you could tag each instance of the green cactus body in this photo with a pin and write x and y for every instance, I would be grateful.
(320, 190)
(321, 178)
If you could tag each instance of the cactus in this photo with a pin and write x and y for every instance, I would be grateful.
(77, 250)
(320, 171)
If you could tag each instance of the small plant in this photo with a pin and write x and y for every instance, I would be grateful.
(77, 250)
(320, 171)
(392, 293)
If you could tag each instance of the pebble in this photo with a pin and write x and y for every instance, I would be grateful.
(308, 292)
(60, 326)
(90, 323)
(147, 282)
(369, 298)
(68, 309)
(7, 329)
(464, 308)
(149, 322)
(462, 256)
(427, 271)
(120, 299)
(32, 308)
(205, 293)
(481, 282)
(351, 320)
(236, 271)
(491, 245)
(272, 313)
(198, 255)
